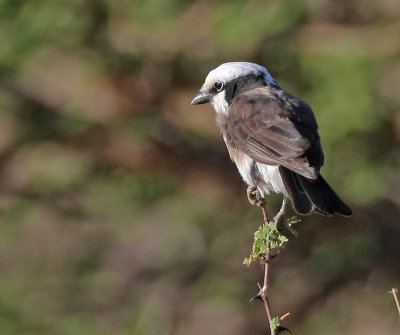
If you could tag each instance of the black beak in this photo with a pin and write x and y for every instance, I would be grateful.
(201, 98)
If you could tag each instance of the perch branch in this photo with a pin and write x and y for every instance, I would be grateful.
(267, 238)
(264, 290)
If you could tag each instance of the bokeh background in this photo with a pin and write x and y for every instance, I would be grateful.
(120, 211)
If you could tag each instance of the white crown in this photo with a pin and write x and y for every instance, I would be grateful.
(226, 72)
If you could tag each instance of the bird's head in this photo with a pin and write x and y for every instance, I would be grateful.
(228, 80)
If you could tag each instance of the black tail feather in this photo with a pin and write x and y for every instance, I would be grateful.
(299, 199)
(312, 195)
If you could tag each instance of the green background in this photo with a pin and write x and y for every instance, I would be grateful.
(120, 211)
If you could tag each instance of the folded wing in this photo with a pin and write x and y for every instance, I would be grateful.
(275, 128)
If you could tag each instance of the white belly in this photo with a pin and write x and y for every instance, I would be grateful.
(265, 177)
(271, 180)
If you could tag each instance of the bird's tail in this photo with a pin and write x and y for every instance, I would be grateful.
(310, 196)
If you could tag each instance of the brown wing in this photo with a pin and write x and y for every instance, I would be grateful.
(275, 128)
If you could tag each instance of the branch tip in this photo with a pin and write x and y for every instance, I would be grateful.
(394, 291)
(256, 297)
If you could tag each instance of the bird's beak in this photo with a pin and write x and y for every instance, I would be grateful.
(201, 98)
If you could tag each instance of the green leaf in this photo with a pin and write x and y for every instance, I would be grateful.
(267, 238)
(275, 323)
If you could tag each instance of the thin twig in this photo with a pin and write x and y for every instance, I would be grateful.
(264, 291)
(265, 213)
(395, 292)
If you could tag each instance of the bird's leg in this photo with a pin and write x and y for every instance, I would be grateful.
(279, 216)
(254, 196)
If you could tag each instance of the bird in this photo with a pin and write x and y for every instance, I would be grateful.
(272, 137)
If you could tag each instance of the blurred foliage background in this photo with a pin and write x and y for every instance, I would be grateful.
(120, 211)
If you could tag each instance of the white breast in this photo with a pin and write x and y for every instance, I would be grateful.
(265, 177)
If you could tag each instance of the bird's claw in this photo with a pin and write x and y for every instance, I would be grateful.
(278, 218)
(254, 196)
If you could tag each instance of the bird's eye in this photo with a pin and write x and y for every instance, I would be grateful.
(218, 86)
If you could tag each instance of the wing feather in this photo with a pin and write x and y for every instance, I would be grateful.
(275, 128)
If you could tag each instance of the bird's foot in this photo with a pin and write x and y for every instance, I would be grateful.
(278, 218)
(255, 197)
